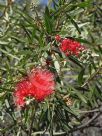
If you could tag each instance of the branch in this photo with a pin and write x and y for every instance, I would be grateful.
(92, 76)
(54, 133)
(90, 111)
(86, 124)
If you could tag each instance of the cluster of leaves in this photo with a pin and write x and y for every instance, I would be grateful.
(27, 41)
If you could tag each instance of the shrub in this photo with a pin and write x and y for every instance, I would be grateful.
(63, 47)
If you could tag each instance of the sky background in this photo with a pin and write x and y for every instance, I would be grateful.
(43, 2)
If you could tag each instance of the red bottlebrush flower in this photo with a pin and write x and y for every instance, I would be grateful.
(43, 82)
(71, 47)
(22, 90)
(39, 84)
(58, 38)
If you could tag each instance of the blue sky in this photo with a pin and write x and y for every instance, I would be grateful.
(44, 2)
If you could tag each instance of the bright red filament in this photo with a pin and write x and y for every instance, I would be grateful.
(39, 84)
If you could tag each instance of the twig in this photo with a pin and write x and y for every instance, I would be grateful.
(92, 76)
(9, 3)
(86, 124)
(90, 111)
(54, 133)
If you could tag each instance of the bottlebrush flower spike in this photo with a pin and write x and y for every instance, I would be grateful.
(22, 90)
(71, 47)
(39, 84)
(43, 82)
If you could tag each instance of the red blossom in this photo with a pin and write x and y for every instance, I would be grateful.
(39, 84)
(43, 82)
(71, 47)
(58, 38)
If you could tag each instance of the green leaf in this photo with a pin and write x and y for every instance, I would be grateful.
(8, 54)
(4, 43)
(84, 4)
(76, 61)
(80, 76)
(78, 94)
(74, 23)
(48, 22)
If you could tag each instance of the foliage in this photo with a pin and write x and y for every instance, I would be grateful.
(27, 40)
